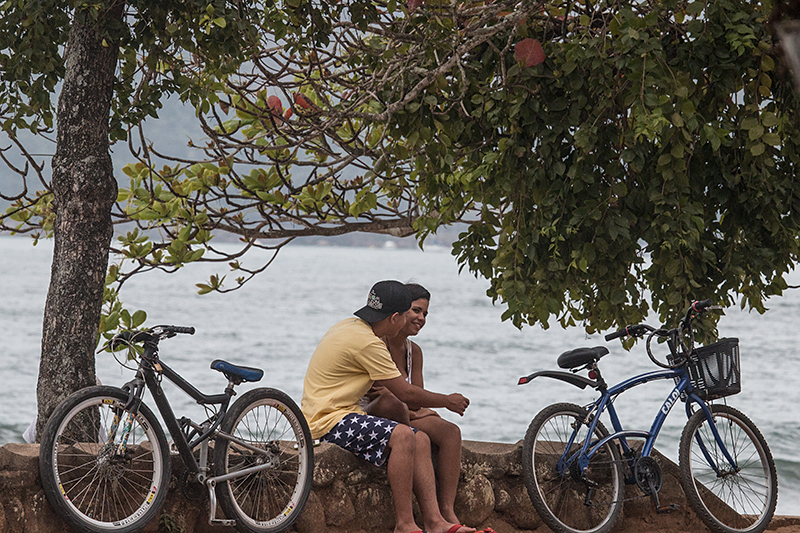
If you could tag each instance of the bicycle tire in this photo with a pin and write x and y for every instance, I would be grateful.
(268, 501)
(88, 485)
(560, 498)
(734, 502)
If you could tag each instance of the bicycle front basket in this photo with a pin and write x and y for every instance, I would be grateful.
(714, 369)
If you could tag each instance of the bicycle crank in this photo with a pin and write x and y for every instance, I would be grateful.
(650, 479)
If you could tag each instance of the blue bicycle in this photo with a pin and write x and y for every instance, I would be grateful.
(576, 472)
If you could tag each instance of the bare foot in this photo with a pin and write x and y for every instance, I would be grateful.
(408, 528)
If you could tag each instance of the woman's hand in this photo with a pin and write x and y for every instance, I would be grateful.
(421, 413)
(457, 403)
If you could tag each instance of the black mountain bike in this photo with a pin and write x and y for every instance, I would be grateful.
(105, 461)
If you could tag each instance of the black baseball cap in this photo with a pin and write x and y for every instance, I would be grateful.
(385, 299)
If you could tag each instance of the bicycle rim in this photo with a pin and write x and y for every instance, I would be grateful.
(269, 500)
(562, 496)
(103, 486)
(728, 500)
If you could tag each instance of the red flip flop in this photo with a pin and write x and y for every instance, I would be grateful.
(459, 526)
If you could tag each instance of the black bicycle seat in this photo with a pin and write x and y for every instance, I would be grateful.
(581, 356)
(235, 373)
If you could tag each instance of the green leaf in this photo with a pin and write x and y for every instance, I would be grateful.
(749, 123)
(695, 8)
(203, 288)
(138, 318)
(769, 119)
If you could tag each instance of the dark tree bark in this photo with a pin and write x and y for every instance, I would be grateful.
(84, 190)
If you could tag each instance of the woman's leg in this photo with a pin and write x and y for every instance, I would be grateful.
(447, 436)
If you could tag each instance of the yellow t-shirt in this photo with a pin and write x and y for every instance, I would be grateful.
(348, 359)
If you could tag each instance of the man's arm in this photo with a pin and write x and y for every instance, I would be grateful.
(417, 397)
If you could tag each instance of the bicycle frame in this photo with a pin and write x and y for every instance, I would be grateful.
(179, 440)
(606, 403)
(149, 372)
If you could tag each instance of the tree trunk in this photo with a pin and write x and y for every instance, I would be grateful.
(84, 191)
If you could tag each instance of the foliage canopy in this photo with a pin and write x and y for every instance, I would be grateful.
(607, 157)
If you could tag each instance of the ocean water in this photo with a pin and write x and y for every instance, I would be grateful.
(276, 320)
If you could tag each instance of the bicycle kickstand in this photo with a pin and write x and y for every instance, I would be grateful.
(661, 509)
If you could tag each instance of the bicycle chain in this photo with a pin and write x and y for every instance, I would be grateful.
(623, 463)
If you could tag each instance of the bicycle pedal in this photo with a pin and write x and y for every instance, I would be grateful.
(222, 522)
(661, 509)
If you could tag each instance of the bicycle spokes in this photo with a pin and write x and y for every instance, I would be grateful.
(571, 497)
(727, 471)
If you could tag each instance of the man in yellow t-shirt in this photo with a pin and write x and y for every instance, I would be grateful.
(349, 358)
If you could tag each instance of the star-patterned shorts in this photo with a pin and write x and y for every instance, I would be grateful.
(364, 435)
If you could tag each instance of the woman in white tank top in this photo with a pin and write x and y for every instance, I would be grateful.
(407, 355)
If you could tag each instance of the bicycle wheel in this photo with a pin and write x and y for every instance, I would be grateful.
(568, 500)
(92, 483)
(728, 500)
(268, 500)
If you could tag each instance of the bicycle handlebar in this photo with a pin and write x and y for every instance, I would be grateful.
(617, 334)
(700, 306)
(634, 330)
(188, 330)
(154, 334)
(676, 335)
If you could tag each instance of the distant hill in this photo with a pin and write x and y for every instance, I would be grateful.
(170, 134)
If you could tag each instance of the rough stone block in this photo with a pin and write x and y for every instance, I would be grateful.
(18, 456)
(475, 500)
(351, 496)
(339, 509)
(312, 520)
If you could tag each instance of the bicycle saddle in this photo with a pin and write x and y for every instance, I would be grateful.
(581, 356)
(235, 373)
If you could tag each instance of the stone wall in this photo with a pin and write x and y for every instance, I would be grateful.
(351, 496)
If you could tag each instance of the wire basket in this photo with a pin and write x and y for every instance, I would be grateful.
(714, 369)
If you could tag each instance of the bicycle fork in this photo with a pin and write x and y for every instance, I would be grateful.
(124, 416)
(711, 460)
